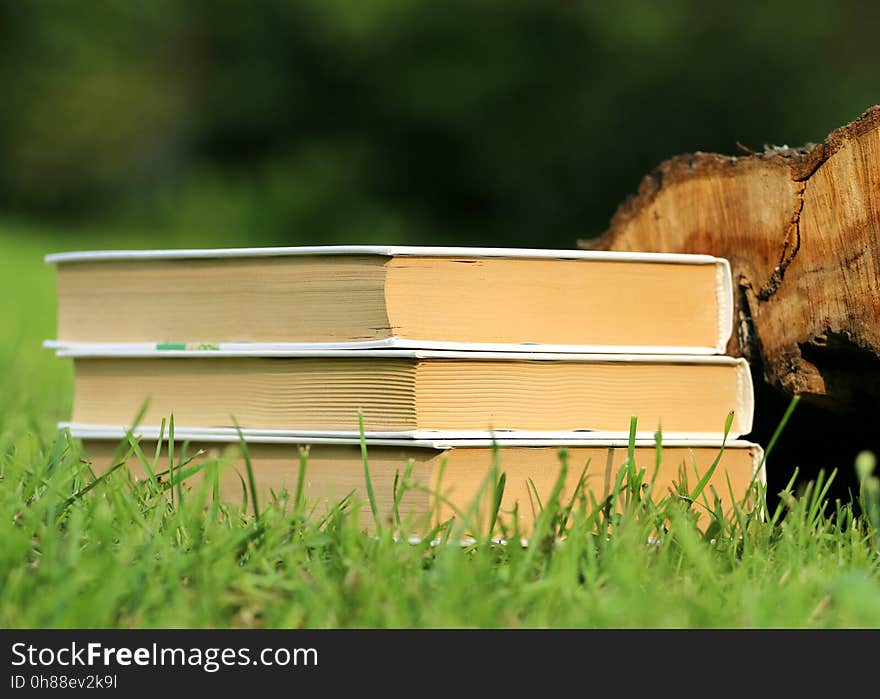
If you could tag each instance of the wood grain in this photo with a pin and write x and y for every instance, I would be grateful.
(801, 228)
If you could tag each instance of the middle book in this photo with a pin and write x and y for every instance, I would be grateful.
(413, 393)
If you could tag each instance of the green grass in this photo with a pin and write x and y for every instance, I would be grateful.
(84, 552)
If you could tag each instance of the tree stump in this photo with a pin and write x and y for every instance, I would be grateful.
(801, 228)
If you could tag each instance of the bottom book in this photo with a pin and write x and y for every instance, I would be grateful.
(447, 478)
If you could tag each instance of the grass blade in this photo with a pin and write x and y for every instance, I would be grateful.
(701, 484)
(249, 467)
(776, 434)
(301, 477)
(496, 502)
(369, 481)
(399, 489)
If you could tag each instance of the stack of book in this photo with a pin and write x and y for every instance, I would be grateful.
(443, 353)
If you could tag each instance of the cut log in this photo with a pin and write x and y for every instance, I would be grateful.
(801, 228)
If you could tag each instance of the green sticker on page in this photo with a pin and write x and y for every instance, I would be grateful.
(190, 346)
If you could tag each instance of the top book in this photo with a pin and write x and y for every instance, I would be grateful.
(410, 297)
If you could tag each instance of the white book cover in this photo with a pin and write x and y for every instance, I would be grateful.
(251, 349)
(382, 250)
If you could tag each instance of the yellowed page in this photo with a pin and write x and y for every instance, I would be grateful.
(261, 393)
(436, 495)
(560, 395)
(589, 302)
(257, 299)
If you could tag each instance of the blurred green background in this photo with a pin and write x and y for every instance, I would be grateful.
(463, 121)
(482, 122)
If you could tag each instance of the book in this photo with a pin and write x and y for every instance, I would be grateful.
(447, 475)
(416, 297)
(414, 393)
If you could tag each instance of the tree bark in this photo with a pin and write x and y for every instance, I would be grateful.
(801, 228)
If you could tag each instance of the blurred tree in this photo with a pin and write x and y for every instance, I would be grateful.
(518, 122)
(93, 103)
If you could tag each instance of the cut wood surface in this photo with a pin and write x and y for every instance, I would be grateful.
(801, 228)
